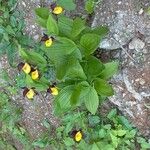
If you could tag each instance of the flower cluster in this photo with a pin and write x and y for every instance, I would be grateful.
(28, 69)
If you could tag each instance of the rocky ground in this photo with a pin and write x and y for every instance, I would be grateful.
(128, 41)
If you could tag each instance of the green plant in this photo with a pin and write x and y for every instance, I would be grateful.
(99, 133)
(10, 116)
(11, 30)
(81, 77)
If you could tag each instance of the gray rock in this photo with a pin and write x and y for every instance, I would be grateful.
(136, 44)
(122, 21)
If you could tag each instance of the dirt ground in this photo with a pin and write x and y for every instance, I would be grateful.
(132, 84)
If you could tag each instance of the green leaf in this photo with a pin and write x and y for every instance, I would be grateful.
(121, 132)
(91, 100)
(112, 114)
(148, 11)
(102, 133)
(93, 67)
(52, 26)
(90, 43)
(41, 22)
(67, 4)
(10, 30)
(103, 88)
(69, 142)
(39, 85)
(89, 6)
(70, 68)
(101, 30)
(123, 121)
(42, 12)
(110, 69)
(79, 92)
(65, 26)
(78, 27)
(95, 147)
(39, 143)
(33, 57)
(62, 101)
(46, 124)
(61, 47)
(3, 48)
(94, 120)
(11, 54)
(114, 140)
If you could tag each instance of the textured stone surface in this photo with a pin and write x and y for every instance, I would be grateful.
(130, 34)
(123, 19)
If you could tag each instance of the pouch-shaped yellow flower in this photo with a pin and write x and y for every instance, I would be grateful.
(57, 10)
(54, 91)
(48, 42)
(26, 68)
(30, 94)
(78, 136)
(35, 75)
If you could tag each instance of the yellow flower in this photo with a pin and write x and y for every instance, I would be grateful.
(78, 136)
(54, 91)
(58, 10)
(30, 94)
(48, 42)
(35, 75)
(26, 68)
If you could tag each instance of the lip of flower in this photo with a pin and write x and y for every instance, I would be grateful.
(57, 10)
(25, 67)
(78, 136)
(48, 42)
(35, 74)
(53, 90)
(29, 93)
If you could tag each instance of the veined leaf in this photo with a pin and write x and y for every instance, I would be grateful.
(60, 47)
(91, 100)
(103, 88)
(95, 147)
(110, 69)
(33, 58)
(78, 27)
(67, 4)
(42, 12)
(90, 43)
(101, 30)
(39, 85)
(89, 6)
(93, 66)
(62, 101)
(65, 26)
(79, 92)
(41, 22)
(52, 26)
(70, 68)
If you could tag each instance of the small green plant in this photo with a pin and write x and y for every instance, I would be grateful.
(10, 116)
(11, 30)
(98, 133)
